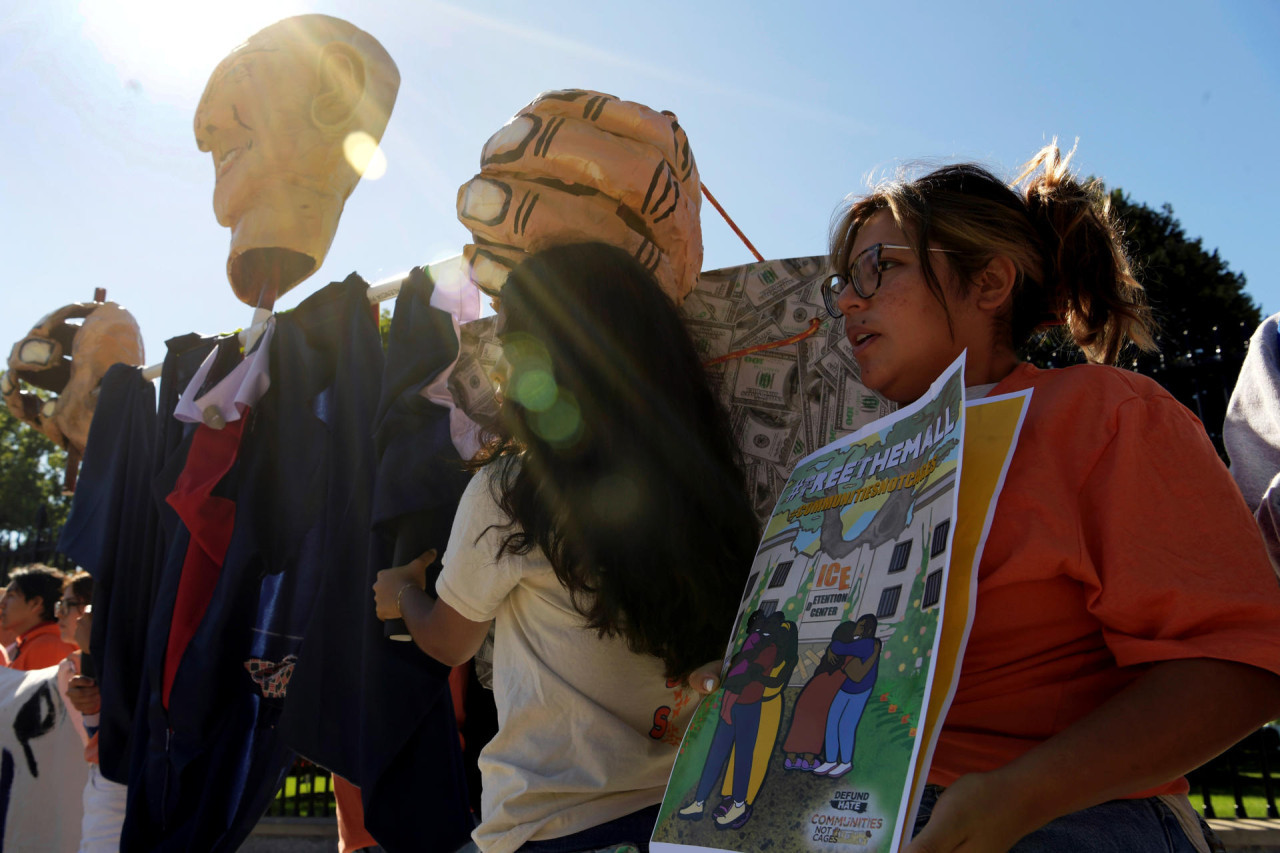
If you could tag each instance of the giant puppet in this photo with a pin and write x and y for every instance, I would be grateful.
(242, 646)
(289, 118)
(577, 165)
(234, 536)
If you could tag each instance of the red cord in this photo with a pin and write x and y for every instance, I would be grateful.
(814, 323)
(736, 229)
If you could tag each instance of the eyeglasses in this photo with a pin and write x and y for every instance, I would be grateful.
(66, 605)
(863, 277)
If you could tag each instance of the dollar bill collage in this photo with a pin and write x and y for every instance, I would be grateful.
(784, 401)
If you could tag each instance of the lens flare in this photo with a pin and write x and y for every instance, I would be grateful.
(561, 425)
(364, 155)
(535, 390)
(525, 352)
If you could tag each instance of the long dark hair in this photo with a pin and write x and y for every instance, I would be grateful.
(614, 458)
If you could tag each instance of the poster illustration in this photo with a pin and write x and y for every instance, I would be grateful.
(811, 740)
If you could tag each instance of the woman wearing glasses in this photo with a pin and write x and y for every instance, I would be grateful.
(77, 591)
(1127, 624)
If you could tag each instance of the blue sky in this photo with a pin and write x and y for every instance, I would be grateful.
(788, 108)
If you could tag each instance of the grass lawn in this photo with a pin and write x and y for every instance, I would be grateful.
(1222, 795)
(310, 793)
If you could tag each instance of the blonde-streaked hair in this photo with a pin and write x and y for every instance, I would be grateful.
(1058, 231)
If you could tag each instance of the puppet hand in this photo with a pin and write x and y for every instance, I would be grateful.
(69, 359)
(975, 815)
(391, 584)
(83, 695)
(575, 166)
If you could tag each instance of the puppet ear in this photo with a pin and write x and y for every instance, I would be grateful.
(340, 88)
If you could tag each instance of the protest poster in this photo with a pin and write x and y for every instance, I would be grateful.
(811, 742)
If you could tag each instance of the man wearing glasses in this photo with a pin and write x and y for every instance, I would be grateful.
(29, 608)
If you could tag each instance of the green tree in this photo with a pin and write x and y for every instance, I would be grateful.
(384, 325)
(1204, 314)
(31, 469)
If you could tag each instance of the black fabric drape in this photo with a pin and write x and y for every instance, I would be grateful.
(118, 530)
(111, 533)
(295, 581)
(411, 760)
(207, 766)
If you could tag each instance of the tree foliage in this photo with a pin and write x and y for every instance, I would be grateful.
(1204, 314)
(31, 470)
(384, 326)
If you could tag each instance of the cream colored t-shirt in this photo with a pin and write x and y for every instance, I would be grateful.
(587, 730)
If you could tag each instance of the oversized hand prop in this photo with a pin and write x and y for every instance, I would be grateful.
(69, 360)
(576, 165)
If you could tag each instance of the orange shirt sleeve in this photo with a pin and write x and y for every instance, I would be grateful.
(1171, 560)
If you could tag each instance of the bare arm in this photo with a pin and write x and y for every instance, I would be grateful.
(436, 628)
(1174, 717)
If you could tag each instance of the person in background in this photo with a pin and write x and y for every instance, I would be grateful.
(104, 800)
(8, 649)
(1251, 432)
(607, 537)
(28, 609)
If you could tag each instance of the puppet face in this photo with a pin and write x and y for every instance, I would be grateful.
(281, 117)
(578, 166)
(70, 361)
(253, 120)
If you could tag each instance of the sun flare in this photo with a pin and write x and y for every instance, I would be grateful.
(364, 155)
(168, 49)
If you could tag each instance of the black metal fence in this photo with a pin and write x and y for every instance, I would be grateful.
(31, 545)
(1239, 783)
(307, 792)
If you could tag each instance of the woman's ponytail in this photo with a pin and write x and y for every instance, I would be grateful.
(1088, 282)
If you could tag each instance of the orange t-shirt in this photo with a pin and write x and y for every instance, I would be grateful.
(42, 647)
(1119, 540)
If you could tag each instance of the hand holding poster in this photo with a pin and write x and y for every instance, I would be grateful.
(811, 740)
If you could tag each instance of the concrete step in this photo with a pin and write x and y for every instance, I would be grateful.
(1248, 835)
